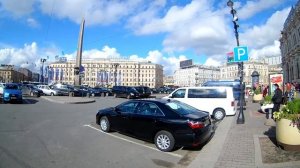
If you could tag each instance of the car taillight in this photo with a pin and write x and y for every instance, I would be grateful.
(196, 124)
(232, 104)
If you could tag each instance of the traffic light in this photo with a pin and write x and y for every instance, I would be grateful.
(76, 70)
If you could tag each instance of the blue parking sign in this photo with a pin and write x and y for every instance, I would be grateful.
(241, 54)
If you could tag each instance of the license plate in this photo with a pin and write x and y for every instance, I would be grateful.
(13, 98)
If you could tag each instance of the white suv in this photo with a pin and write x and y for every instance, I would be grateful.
(218, 101)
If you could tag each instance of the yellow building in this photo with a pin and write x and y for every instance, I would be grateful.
(109, 72)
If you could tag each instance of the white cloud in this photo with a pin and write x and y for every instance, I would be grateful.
(33, 23)
(211, 61)
(264, 39)
(16, 7)
(194, 26)
(270, 50)
(255, 6)
(101, 12)
(106, 52)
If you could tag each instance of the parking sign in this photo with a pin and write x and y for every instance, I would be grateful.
(241, 54)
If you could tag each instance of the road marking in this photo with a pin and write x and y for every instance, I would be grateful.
(169, 153)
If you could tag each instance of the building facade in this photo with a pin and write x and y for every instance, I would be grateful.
(109, 72)
(290, 46)
(9, 74)
(195, 75)
(230, 72)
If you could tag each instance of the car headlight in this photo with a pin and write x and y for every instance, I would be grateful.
(6, 94)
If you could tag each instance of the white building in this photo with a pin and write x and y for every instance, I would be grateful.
(290, 46)
(230, 71)
(109, 72)
(195, 75)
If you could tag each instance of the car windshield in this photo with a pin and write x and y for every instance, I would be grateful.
(181, 108)
(11, 86)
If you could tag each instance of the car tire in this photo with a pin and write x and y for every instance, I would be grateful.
(104, 124)
(51, 94)
(164, 141)
(219, 114)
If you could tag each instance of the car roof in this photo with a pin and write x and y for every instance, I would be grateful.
(206, 87)
(154, 100)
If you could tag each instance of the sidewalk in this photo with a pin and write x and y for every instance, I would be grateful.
(249, 145)
(69, 100)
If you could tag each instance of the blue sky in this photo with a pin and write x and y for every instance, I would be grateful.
(161, 31)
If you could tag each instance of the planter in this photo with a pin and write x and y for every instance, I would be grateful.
(287, 136)
(257, 98)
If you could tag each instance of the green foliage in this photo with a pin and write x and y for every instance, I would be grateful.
(257, 91)
(290, 111)
(267, 100)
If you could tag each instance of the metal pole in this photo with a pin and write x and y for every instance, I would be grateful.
(241, 117)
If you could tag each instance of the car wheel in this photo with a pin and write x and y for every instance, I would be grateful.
(218, 114)
(104, 124)
(51, 94)
(164, 141)
(115, 95)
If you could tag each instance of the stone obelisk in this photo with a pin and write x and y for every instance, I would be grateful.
(78, 70)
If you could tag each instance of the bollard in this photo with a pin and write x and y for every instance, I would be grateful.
(269, 113)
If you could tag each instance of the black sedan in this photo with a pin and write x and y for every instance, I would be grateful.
(167, 123)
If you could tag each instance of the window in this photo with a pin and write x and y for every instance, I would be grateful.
(207, 93)
(128, 107)
(149, 109)
(180, 93)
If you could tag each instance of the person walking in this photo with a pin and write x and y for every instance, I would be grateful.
(276, 99)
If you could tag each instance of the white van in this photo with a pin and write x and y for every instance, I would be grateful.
(218, 101)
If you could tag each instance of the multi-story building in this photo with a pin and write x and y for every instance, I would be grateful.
(195, 75)
(109, 72)
(25, 74)
(230, 71)
(8, 74)
(168, 81)
(290, 46)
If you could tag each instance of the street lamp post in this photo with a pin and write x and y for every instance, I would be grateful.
(43, 60)
(241, 118)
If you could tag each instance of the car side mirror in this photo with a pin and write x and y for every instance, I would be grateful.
(170, 96)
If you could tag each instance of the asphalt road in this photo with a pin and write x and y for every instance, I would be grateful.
(40, 133)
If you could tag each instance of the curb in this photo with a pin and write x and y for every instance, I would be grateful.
(69, 102)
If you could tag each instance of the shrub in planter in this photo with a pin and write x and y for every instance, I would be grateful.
(288, 125)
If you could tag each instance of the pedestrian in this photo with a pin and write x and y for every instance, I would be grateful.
(266, 91)
(276, 99)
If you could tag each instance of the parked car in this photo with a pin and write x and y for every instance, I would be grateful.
(125, 91)
(31, 90)
(65, 90)
(103, 91)
(218, 101)
(48, 91)
(167, 123)
(143, 90)
(12, 92)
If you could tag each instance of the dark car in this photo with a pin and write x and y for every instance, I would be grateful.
(144, 91)
(103, 91)
(125, 91)
(12, 92)
(31, 90)
(167, 123)
(66, 90)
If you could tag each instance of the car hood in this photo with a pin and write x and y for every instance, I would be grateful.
(12, 91)
(106, 110)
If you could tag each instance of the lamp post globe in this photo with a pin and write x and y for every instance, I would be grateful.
(230, 3)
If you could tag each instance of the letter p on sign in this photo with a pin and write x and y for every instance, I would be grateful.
(241, 54)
